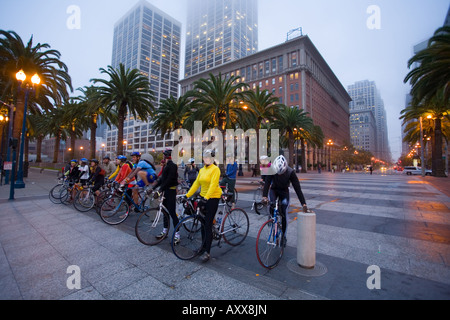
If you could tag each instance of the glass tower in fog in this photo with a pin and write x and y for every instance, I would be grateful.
(219, 31)
(147, 39)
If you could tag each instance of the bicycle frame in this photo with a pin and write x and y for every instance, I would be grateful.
(274, 233)
(139, 206)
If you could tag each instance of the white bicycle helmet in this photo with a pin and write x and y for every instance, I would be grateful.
(280, 165)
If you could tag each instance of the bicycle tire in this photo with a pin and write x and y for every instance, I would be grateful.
(114, 210)
(269, 249)
(235, 226)
(228, 199)
(149, 225)
(192, 238)
(65, 195)
(55, 193)
(84, 200)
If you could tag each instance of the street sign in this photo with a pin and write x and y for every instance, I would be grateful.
(7, 165)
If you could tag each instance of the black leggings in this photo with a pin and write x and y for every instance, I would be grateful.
(210, 212)
(170, 199)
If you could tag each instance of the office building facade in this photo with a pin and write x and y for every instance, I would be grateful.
(147, 39)
(297, 74)
(219, 31)
(365, 94)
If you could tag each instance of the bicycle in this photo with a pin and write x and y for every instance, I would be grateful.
(84, 200)
(150, 223)
(233, 228)
(67, 194)
(228, 196)
(258, 205)
(55, 192)
(116, 208)
(269, 242)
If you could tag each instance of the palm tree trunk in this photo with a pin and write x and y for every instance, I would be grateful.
(438, 162)
(40, 138)
(302, 145)
(120, 124)
(56, 151)
(73, 139)
(291, 149)
(93, 134)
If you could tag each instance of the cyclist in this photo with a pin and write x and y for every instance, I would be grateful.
(125, 168)
(72, 174)
(230, 177)
(167, 183)
(109, 166)
(279, 187)
(208, 180)
(144, 169)
(191, 172)
(97, 176)
(84, 171)
(116, 172)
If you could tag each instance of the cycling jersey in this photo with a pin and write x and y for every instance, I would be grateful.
(279, 183)
(208, 179)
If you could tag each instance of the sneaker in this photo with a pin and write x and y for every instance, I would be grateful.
(161, 235)
(176, 240)
(205, 257)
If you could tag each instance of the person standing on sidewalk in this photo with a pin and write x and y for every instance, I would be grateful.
(191, 172)
(208, 180)
(230, 176)
(167, 183)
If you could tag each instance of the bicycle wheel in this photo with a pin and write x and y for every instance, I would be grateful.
(269, 249)
(55, 193)
(114, 210)
(191, 231)
(65, 195)
(150, 225)
(235, 227)
(84, 200)
(229, 199)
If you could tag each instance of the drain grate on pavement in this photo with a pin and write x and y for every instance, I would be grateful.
(318, 270)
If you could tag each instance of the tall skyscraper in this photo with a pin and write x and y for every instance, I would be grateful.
(365, 94)
(219, 31)
(147, 39)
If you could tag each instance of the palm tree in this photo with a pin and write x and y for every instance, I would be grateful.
(431, 87)
(171, 114)
(433, 73)
(40, 59)
(262, 106)
(127, 92)
(314, 137)
(53, 123)
(75, 121)
(92, 108)
(438, 111)
(216, 101)
(290, 120)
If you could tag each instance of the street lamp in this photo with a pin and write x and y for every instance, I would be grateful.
(35, 80)
(329, 144)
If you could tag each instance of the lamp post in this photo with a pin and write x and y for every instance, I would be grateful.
(35, 80)
(329, 144)
(422, 157)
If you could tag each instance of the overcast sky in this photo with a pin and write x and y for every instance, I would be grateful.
(338, 28)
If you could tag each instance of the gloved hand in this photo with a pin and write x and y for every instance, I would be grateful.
(265, 201)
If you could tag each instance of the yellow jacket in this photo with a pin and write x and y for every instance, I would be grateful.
(208, 179)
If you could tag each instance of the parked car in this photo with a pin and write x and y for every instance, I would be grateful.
(416, 170)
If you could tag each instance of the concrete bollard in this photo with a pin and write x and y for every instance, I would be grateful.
(306, 239)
